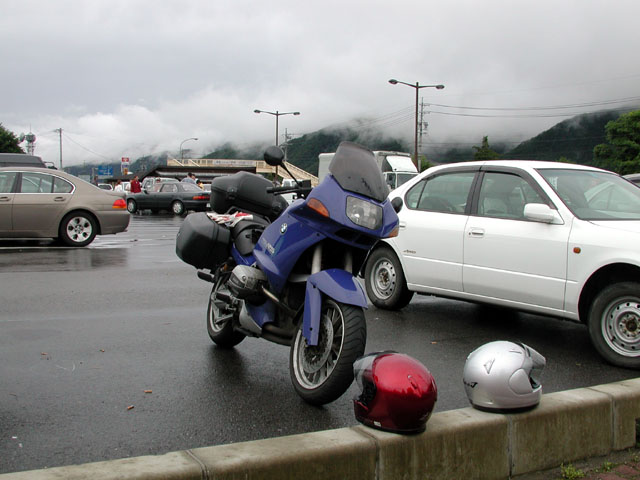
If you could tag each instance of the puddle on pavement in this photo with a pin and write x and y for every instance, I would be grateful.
(62, 259)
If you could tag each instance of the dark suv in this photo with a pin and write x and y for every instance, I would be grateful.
(22, 160)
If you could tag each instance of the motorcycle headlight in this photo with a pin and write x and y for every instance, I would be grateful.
(364, 214)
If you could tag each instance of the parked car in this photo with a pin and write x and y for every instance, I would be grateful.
(150, 182)
(126, 187)
(45, 203)
(633, 177)
(289, 197)
(23, 160)
(177, 197)
(550, 238)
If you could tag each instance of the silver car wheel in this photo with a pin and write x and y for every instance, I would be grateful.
(79, 229)
(621, 326)
(383, 278)
(177, 207)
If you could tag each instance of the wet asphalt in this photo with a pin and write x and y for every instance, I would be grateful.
(104, 354)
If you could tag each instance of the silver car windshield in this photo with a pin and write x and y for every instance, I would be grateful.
(593, 195)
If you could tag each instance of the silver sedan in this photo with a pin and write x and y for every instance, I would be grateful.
(45, 203)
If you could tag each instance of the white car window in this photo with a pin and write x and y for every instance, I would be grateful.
(595, 195)
(448, 193)
(504, 195)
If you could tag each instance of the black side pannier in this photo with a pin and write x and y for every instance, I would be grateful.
(247, 192)
(203, 243)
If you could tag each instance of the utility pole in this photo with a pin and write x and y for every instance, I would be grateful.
(423, 129)
(59, 130)
(287, 136)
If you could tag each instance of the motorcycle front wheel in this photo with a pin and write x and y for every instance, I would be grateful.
(220, 318)
(322, 373)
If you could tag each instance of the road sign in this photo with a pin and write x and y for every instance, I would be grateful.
(105, 171)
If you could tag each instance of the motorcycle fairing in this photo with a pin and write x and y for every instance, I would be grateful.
(337, 284)
(239, 258)
(277, 253)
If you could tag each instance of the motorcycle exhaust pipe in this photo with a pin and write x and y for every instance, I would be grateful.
(276, 339)
(289, 311)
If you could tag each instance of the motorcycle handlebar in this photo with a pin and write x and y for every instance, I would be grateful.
(279, 190)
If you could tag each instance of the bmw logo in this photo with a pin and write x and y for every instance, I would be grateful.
(283, 228)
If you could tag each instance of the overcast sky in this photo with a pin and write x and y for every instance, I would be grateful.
(137, 77)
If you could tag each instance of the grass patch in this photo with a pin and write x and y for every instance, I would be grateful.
(569, 472)
(607, 467)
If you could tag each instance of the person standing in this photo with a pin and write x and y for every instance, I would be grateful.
(135, 185)
(119, 187)
(190, 178)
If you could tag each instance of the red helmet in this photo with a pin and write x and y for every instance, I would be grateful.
(398, 393)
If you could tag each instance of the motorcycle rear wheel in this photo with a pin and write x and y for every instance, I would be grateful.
(322, 373)
(219, 321)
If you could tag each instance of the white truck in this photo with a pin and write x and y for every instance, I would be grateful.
(397, 167)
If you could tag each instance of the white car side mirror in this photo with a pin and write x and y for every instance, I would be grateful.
(540, 212)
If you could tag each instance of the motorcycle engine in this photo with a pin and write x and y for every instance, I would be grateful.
(246, 283)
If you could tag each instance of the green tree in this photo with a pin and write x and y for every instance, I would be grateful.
(621, 153)
(9, 142)
(485, 152)
(564, 159)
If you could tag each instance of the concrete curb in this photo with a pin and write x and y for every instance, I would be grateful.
(466, 443)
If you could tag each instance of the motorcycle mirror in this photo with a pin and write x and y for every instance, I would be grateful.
(397, 204)
(274, 156)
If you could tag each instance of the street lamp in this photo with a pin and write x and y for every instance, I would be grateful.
(417, 86)
(277, 114)
(185, 140)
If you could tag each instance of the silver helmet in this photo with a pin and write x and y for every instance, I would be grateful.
(503, 376)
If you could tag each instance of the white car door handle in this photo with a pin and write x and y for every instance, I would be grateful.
(5, 199)
(476, 232)
(402, 224)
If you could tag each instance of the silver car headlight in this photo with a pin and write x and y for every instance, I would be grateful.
(364, 214)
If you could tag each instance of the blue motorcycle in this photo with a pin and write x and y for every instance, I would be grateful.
(287, 273)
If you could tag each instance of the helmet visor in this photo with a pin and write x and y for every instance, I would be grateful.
(535, 363)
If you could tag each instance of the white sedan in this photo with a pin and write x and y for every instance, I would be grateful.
(551, 238)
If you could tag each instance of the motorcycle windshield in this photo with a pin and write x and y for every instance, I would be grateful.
(355, 169)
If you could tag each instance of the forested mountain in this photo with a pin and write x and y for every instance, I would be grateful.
(572, 140)
(303, 151)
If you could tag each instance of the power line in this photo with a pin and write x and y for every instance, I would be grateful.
(539, 115)
(552, 107)
(85, 148)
